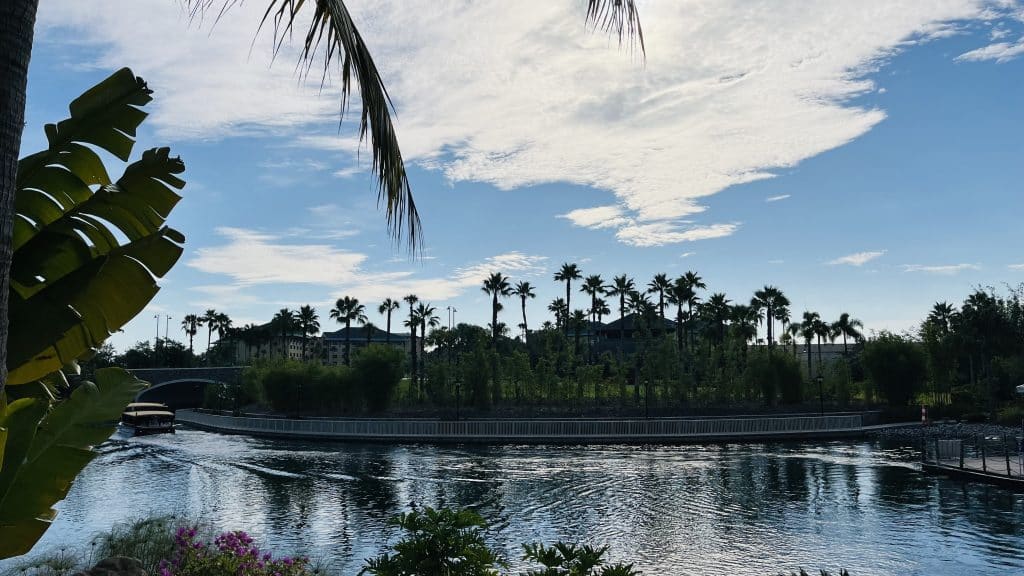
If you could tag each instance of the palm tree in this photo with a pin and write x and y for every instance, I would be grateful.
(223, 324)
(497, 286)
(782, 315)
(600, 309)
(847, 327)
(425, 316)
(744, 323)
(524, 290)
(284, 321)
(410, 323)
(794, 329)
(679, 294)
(567, 274)
(560, 310)
(190, 324)
(209, 318)
(822, 330)
(330, 22)
(808, 333)
(593, 286)
(387, 307)
(309, 325)
(660, 284)
(694, 282)
(770, 299)
(717, 312)
(942, 315)
(346, 310)
(578, 318)
(621, 287)
(369, 328)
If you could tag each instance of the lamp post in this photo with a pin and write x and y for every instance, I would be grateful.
(156, 343)
(821, 395)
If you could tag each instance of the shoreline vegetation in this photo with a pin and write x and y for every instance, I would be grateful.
(424, 541)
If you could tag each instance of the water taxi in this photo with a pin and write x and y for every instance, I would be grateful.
(148, 418)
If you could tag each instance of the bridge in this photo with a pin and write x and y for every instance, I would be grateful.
(183, 387)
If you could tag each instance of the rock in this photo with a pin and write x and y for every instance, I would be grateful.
(116, 566)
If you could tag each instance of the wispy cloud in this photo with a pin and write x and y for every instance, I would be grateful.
(1015, 266)
(661, 137)
(686, 254)
(1001, 52)
(662, 233)
(943, 269)
(857, 259)
(597, 217)
(776, 198)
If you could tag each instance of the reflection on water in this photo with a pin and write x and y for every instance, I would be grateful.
(745, 509)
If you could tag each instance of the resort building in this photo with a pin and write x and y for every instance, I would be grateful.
(333, 343)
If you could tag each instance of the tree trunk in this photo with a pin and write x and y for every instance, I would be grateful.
(526, 332)
(810, 368)
(568, 304)
(494, 319)
(348, 342)
(17, 24)
(846, 351)
(387, 337)
(819, 355)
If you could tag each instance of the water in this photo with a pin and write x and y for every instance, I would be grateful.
(704, 509)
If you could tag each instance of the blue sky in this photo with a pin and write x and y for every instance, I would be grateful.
(865, 157)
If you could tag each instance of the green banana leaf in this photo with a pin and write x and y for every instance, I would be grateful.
(73, 283)
(45, 451)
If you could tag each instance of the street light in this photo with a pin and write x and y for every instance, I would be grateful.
(821, 395)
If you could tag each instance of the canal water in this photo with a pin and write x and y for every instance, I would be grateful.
(698, 509)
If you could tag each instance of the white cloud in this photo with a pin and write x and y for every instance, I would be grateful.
(776, 198)
(1015, 266)
(1001, 52)
(944, 269)
(686, 254)
(661, 233)
(520, 93)
(857, 259)
(597, 217)
(251, 258)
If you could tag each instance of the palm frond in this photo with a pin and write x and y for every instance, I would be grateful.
(333, 37)
(619, 18)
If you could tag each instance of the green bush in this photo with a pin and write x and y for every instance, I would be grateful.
(776, 376)
(378, 370)
(897, 366)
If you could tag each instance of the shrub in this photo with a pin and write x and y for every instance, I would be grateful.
(442, 541)
(378, 370)
(775, 376)
(230, 554)
(897, 367)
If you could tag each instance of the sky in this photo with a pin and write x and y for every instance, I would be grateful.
(865, 157)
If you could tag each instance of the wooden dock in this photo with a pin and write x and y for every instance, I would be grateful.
(991, 460)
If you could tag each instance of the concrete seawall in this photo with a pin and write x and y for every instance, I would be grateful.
(574, 431)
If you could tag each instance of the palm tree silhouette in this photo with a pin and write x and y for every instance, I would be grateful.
(425, 316)
(210, 319)
(809, 330)
(717, 312)
(660, 284)
(593, 286)
(567, 274)
(190, 324)
(497, 286)
(284, 321)
(578, 318)
(561, 312)
(524, 290)
(410, 322)
(770, 298)
(847, 327)
(621, 287)
(309, 325)
(347, 309)
(387, 307)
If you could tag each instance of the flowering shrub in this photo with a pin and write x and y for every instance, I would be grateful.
(230, 554)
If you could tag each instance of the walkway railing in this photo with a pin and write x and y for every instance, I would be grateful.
(994, 455)
(527, 430)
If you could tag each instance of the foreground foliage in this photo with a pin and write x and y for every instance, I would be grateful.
(73, 283)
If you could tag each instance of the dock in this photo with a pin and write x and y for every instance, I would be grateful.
(994, 460)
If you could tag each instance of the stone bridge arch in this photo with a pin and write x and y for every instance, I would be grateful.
(183, 387)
